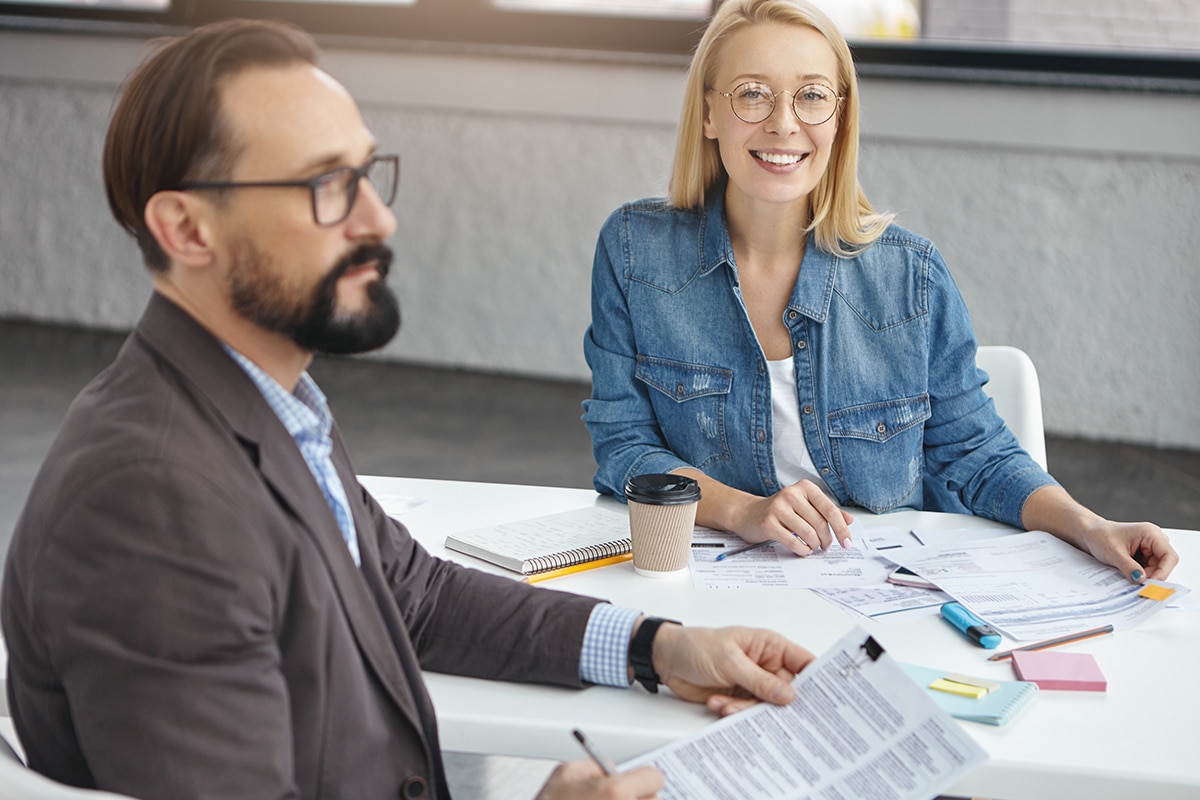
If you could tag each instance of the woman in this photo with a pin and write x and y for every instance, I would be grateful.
(765, 331)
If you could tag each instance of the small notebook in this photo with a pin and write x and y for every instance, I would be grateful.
(540, 544)
(994, 708)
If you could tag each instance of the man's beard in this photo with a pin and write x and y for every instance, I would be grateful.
(314, 323)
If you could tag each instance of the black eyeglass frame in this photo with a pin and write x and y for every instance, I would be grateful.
(314, 183)
(837, 99)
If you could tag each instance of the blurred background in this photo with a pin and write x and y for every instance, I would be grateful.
(1050, 149)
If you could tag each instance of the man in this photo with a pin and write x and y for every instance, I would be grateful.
(199, 599)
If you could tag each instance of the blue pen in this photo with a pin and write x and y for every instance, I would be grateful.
(737, 551)
(971, 626)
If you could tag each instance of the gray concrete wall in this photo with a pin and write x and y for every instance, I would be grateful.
(1069, 217)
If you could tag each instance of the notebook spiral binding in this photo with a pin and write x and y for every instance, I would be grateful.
(580, 555)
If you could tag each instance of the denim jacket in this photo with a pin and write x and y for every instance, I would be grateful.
(891, 401)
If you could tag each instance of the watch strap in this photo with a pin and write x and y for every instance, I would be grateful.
(641, 652)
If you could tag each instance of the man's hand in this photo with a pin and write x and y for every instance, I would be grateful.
(583, 780)
(728, 669)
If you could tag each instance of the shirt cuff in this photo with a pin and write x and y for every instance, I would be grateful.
(605, 656)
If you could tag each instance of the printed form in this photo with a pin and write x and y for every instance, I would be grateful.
(858, 728)
(775, 567)
(1035, 586)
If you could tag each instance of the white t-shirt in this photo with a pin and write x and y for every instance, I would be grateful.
(792, 461)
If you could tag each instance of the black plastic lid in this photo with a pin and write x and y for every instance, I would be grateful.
(662, 489)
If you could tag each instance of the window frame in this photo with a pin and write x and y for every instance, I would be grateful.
(477, 24)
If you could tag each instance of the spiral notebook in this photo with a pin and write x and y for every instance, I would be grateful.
(997, 707)
(555, 541)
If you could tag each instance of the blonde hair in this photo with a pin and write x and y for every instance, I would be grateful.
(843, 219)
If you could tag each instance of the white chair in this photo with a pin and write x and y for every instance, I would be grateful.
(18, 782)
(1014, 389)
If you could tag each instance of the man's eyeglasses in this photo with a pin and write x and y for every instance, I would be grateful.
(755, 102)
(333, 192)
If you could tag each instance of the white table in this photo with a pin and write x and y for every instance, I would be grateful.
(1137, 739)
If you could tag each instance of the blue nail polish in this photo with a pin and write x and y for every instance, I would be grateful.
(1136, 575)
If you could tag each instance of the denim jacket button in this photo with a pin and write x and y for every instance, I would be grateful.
(881, 429)
(792, 315)
(762, 435)
(801, 344)
(808, 409)
(824, 470)
(679, 390)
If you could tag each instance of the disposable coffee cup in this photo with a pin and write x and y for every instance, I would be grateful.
(662, 513)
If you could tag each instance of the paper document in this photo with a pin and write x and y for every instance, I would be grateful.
(944, 537)
(1034, 585)
(886, 537)
(859, 727)
(886, 602)
(775, 567)
(882, 538)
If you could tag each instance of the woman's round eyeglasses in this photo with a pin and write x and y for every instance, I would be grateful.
(754, 102)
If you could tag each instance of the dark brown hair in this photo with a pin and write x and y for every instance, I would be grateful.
(167, 127)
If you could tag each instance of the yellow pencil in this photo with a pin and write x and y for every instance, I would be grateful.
(558, 573)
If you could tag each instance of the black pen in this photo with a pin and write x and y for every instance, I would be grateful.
(603, 763)
(737, 551)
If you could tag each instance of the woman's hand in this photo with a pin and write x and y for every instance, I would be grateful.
(1140, 550)
(801, 517)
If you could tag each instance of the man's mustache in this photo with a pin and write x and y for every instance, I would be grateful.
(381, 254)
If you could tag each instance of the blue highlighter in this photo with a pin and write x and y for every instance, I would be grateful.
(970, 625)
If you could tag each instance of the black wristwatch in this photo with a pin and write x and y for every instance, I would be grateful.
(641, 652)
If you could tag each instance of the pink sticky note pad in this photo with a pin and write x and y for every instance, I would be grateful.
(1051, 670)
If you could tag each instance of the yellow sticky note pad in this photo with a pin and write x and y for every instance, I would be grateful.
(954, 687)
(970, 680)
(1154, 592)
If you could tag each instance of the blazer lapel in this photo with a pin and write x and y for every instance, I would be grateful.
(288, 475)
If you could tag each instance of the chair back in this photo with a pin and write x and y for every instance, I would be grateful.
(18, 782)
(1014, 388)
(7, 753)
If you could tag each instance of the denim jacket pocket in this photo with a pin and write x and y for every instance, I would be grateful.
(878, 449)
(689, 402)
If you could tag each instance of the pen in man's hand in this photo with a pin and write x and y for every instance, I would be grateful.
(603, 763)
(737, 551)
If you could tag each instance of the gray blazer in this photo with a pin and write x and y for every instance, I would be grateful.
(184, 620)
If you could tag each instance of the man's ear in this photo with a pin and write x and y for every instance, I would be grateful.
(181, 223)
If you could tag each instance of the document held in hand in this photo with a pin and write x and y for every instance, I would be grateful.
(858, 727)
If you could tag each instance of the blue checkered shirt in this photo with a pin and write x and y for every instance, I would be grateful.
(305, 413)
